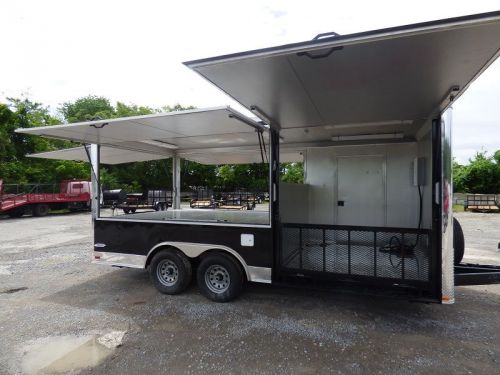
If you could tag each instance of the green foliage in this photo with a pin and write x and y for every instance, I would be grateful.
(481, 175)
(15, 167)
(87, 108)
(292, 173)
(123, 110)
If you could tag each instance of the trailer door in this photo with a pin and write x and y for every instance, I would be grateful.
(442, 212)
(361, 196)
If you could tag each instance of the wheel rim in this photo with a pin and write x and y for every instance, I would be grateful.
(167, 272)
(217, 278)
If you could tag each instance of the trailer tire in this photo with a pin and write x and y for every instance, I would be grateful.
(16, 212)
(170, 272)
(126, 210)
(458, 242)
(220, 278)
(40, 209)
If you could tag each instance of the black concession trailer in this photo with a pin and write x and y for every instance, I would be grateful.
(368, 114)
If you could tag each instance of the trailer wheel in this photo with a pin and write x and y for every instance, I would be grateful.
(16, 212)
(126, 210)
(170, 272)
(458, 242)
(40, 209)
(220, 277)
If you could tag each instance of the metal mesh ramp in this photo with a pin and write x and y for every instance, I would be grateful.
(390, 255)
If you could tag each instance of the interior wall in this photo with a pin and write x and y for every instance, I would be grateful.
(402, 200)
(293, 202)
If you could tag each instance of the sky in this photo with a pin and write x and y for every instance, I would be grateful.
(132, 51)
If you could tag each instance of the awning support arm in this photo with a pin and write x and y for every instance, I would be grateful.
(443, 106)
(273, 124)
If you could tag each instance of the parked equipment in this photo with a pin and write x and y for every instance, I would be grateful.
(158, 200)
(481, 203)
(113, 197)
(18, 199)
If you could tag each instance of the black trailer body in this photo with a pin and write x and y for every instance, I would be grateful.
(369, 114)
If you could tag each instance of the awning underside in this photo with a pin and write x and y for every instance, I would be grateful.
(113, 155)
(162, 134)
(378, 82)
(208, 136)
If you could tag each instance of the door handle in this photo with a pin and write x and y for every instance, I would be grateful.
(340, 203)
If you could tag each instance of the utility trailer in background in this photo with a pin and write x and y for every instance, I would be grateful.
(19, 199)
(481, 202)
(368, 114)
(154, 199)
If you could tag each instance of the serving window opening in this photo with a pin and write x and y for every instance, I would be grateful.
(225, 186)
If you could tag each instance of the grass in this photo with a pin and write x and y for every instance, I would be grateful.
(458, 208)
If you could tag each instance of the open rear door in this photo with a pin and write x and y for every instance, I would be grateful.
(442, 226)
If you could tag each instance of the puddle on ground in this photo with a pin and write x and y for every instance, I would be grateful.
(60, 354)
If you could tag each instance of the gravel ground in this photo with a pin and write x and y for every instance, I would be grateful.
(52, 300)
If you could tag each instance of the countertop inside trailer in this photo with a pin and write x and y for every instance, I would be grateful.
(208, 215)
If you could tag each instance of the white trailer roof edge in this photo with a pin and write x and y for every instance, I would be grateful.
(246, 76)
(349, 39)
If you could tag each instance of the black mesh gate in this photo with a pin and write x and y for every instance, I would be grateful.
(375, 254)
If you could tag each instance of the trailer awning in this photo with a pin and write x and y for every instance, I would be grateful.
(385, 81)
(114, 155)
(162, 134)
(108, 155)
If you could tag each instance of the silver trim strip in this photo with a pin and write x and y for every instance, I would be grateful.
(187, 223)
(260, 274)
(192, 250)
(119, 259)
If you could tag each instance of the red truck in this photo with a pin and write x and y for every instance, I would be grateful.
(16, 199)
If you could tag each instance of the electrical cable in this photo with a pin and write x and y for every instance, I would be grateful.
(400, 248)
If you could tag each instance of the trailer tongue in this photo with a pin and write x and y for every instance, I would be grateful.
(368, 113)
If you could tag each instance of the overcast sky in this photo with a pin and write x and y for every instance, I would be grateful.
(131, 51)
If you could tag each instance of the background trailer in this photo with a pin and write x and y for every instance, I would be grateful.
(369, 114)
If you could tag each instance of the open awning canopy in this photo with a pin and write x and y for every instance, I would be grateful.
(385, 82)
(209, 136)
(108, 155)
(113, 155)
(161, 133)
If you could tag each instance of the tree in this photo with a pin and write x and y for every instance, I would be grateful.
(6, 130)
(123, 110)
(481, 175)
(459, 176)
(15, 167)
(292, 172)
(87, 108)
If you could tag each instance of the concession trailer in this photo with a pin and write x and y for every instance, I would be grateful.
(369, 115)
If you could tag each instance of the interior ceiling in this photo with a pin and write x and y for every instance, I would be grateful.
(405, 77)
